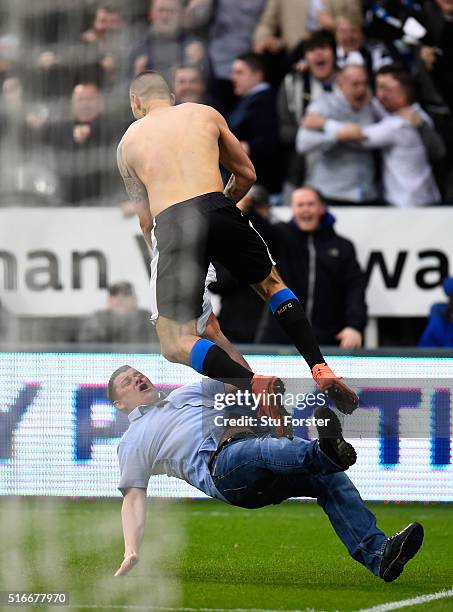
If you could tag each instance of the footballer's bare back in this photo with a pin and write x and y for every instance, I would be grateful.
(172, 154)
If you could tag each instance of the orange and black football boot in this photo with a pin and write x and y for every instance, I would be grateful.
(343, 398)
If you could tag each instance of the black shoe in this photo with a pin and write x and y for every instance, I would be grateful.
(399, 549)
(344, 400)
(331, 440)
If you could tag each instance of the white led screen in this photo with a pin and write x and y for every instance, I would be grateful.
(58, 434)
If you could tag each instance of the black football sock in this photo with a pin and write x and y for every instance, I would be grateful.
(210, 360)
(290, 315)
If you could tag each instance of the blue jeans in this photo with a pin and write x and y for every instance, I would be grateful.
(255, 472)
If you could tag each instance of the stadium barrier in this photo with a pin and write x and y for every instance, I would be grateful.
(58, 434)
(58, 261)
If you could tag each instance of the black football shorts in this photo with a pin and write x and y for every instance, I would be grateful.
(186, 237)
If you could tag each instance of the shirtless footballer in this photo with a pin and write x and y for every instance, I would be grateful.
(169, 159)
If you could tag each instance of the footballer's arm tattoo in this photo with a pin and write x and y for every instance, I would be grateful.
(136, 190)
(138, 194)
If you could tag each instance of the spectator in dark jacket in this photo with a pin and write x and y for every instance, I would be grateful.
(254, 120)
(439, 330)
(436, 77)
(122, 321)
(85, 147)
(322, 270)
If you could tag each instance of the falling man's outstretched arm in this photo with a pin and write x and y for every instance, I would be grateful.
(133, 516)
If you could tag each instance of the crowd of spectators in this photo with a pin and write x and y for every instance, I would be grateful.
(285, 73)
(351, 97)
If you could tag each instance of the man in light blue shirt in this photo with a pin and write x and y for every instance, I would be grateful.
(403, 132)
(185, 435)
(173, 435)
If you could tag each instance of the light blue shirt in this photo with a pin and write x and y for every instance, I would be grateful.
(341, 171)
(175, 437)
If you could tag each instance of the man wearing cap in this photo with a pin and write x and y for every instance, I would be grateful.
(195, 434)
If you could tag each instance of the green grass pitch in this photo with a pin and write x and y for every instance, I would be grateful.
(205, 554)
